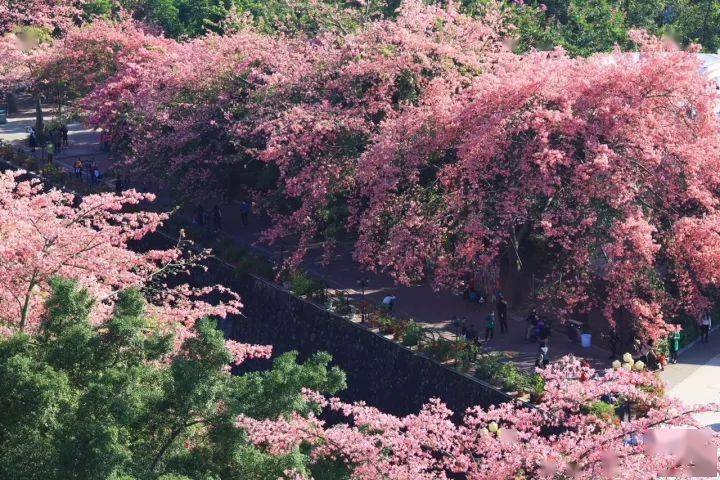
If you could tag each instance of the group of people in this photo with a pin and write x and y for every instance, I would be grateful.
(501, 307)
(91, 171)
(57, 139)
(537, 330)
(199, 219)
(199, 216)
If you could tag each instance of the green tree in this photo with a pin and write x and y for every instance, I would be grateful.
(588, 26)
(107, 402)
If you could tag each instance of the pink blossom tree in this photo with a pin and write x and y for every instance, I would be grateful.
(49, 14)
(566, 435)
(610, 162)
(88, 55)
(14, 70)
(442, 151)
(46, 233)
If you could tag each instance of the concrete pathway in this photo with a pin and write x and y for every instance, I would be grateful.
(695, 379)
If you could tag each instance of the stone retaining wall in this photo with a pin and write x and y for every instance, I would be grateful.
(380, 372)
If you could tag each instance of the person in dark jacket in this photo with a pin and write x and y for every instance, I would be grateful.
(502, 306)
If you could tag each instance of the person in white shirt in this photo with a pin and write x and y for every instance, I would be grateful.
(705, 322)
(388, 302)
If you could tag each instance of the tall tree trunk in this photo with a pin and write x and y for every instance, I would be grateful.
(39, 120)
(706, 20)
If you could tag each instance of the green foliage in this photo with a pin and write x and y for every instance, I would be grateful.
(89, 402)
(587, 26)
(488, 366)
(581, 26)
(495, 368)
(466, 354)
(413, 335)
(535, 386)
(602, 410)
(386, 325)
(340, 303)
(591, 26)
(302, 285)
(441, 349)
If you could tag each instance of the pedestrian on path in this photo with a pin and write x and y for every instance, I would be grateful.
(490, 326)
(95, 175)
(501, 306)
(389, 302)
(652, 358)
(217, 218)
(542, 359)
(50, 150)
(64, 134)
(57, 140)
(472, 335)
(674, 344)
(245, 209)
(77, 169)
(705, 322)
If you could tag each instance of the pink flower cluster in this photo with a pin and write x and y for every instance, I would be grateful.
(50, 14)
(440, 150)
(513, 440)
(45, 234)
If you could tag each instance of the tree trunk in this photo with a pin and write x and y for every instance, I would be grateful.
(11, 103)
(39, 121)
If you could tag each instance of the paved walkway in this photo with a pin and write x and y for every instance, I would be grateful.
(695, 379)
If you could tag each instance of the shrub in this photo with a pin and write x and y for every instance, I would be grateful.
(488, 367)
(535, 387)
(302, 285)
(413, 335)
(53, 173)
(602, 410)
(386, 325)
(340, 303)
(441, 349)
(466, 355)
(512, 379)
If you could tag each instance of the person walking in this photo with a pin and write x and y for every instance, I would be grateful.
(652, 358)
(542, 359)
(245, 209)
(95, 175)
(705, 322)
(389, 302)
(217, 218)
(501, 306)
(77, 169)
(490, 326)
(57, 140)
(64, 135)
(674, 344)
(50, 150)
